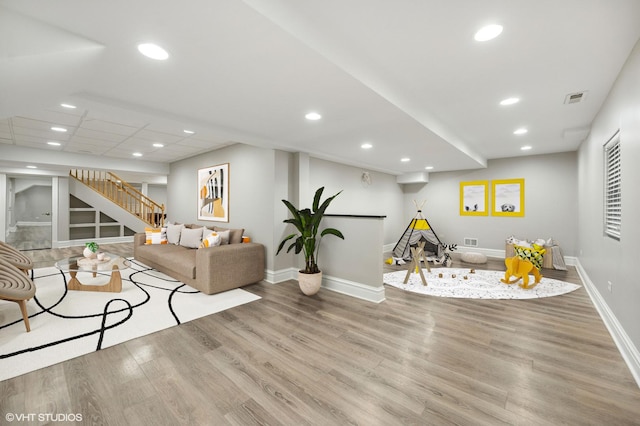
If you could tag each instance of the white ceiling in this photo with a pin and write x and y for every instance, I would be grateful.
(405, 75)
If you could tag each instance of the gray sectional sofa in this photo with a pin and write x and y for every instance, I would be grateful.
(209, 270)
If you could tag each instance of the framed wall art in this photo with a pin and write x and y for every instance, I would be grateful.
(213, 193)
(474, 198)
(507, 197)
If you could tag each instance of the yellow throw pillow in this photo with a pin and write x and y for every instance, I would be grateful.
(211, 240)
(155, 236)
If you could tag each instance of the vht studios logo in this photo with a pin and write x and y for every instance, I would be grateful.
(43, 417)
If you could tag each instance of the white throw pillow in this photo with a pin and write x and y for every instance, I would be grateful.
(211, 240)
(155, 235)
(173, 233)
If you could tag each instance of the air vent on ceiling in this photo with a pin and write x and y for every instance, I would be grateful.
(574, 98)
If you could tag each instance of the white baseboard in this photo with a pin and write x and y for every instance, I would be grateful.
(339, 285)
(79, 243)
(275, 277)
(33, 224)
(627, 349)
(500, 254)
(354, 289)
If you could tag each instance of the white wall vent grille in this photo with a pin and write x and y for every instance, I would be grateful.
(471, 242)
(574, 98)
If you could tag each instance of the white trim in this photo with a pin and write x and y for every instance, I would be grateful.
(627, 349)
(281, 275)
(354, 289)
(500, 254)
(79, 243)
(34, 223)
(339, 285)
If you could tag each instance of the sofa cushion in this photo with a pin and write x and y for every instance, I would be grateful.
(173, 233)
(235, 235)
(175, 258)
(191, 237)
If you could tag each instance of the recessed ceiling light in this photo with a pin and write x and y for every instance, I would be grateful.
(520, 131)
(153, 51)
(429, 168)
(137, 154)
(69, 106)
(526, 148)
(189, 132)
(158, 145)
(313, 116)
(509, 101)
(366, 145)
(405, 159)
(489, 32)
(53, 143)
(31, 167)
(59, 129)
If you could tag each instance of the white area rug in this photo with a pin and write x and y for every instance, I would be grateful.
(66, 324)
(479, 285)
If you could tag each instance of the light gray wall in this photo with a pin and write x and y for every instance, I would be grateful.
(251, 191)
(384, 197)
(550, 202)
(158, 193)
(605, 259)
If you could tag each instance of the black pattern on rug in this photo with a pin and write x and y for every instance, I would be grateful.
(67, 323)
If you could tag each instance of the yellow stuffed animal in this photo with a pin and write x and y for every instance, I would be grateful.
(520, 268)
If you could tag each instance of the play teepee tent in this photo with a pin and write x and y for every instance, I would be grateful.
(418, 230)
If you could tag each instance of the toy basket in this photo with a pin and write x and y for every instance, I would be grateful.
(534, 256)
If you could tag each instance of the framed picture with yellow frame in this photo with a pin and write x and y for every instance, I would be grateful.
(474, 198)
(507, 197)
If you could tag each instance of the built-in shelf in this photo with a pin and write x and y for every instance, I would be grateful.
(87, 222)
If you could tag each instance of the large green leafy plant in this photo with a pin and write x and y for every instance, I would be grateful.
(307, 223)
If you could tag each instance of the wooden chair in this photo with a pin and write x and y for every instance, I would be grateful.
(15, 257)
(16, 286)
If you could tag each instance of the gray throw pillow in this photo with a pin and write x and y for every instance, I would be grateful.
(173, 233)
(191, 238)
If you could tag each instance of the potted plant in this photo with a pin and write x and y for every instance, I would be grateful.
(90, 250)
(306, 239)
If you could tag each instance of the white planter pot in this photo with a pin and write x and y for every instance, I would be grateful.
(88, 253)
(310, 283)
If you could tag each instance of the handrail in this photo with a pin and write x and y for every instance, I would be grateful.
(123, 194)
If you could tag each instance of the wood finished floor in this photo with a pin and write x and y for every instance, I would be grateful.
(331, 359)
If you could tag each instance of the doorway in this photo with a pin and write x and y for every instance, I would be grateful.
(29, 210)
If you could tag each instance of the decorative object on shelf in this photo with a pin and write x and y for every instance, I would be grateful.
(90, 250)
(213, 193)
(307, 223)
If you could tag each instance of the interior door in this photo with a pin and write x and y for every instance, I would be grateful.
(29, 213)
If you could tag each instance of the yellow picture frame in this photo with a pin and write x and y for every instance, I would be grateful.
(474, 198)
(507, 197)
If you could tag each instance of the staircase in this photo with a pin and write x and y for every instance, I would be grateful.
(122, 194)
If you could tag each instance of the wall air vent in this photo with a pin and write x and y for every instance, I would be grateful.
(471, 242)
(574, 98)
